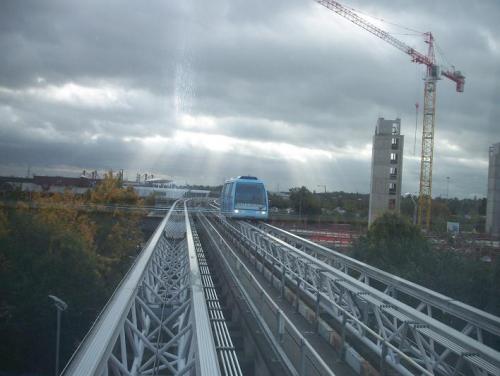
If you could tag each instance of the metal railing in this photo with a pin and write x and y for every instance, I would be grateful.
(469, 320)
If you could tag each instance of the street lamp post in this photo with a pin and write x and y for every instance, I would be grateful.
(60, 306)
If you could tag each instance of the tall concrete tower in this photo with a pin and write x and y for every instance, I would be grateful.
(493, 204)
(387, 168)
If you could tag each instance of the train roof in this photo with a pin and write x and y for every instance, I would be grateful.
(245, 178)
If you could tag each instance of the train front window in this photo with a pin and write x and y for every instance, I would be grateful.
(250, 194)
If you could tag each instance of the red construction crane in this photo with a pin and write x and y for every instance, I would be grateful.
(434, 73)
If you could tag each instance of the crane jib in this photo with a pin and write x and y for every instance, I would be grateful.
(417, 56)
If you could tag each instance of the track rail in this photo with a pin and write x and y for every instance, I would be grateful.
(223, 342)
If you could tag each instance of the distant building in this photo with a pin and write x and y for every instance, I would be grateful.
(284, 195)
(47, 184)
(164, 189)
(12, 183)
(387, 167)
(493, 203)
(59, 184)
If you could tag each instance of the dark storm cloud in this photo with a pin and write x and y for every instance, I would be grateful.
(82, 82)
(62, 40)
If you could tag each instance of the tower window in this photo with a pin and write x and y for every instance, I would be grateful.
(393, 172)
(392, 188)
(392, 203)
(395, 143)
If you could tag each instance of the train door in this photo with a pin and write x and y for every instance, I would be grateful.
(230, 197)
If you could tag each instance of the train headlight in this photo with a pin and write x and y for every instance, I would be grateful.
(236, 211)
(263, 212)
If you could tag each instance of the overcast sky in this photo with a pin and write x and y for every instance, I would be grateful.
(199, 91)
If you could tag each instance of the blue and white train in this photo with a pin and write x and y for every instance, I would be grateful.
(244, 197)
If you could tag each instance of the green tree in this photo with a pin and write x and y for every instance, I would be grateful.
(463, 278)
(482, 206)
(110, 191)
(150, 200)
(119, 242)
(39, 259)
(408, 206)
(394, 245)
(278, 201)
(4, 224)
(58, 247)
(118, 234)
(440, 215)
(304, 202)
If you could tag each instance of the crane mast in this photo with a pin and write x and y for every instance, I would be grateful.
(427, 155)
(433, 74)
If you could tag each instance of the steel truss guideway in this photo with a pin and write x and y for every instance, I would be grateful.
(404, 337)
(465, 318)
(156, 322)
(275, 326)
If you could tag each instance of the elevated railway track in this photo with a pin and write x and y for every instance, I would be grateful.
(214, 296)
(469, 320)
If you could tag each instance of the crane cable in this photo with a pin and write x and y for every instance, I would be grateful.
(413, 31)
(441, 54)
